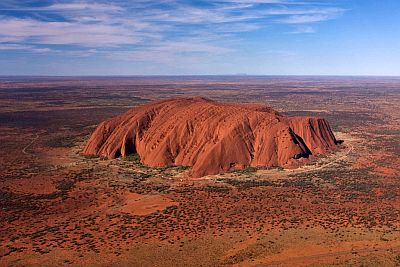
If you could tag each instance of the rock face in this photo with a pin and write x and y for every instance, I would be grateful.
(210, 136)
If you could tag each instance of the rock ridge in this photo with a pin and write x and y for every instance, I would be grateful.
(211, 137)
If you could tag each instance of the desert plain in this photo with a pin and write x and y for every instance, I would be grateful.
(60, 207)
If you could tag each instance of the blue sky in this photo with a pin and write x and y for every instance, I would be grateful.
(176, 37)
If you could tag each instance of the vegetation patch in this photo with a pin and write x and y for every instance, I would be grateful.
(91, 156)
(133, 158)
(246, 170)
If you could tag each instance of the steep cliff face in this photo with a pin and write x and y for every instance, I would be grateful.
(211, 137)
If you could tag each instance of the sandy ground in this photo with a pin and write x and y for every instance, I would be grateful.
(59, 208)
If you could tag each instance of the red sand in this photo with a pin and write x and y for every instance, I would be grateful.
(40, 184)
(137, 204)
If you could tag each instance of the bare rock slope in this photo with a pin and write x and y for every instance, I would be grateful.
(210, 136)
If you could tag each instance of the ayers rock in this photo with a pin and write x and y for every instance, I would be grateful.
(210, 136)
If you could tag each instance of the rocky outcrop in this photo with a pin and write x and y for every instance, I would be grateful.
(210, 136)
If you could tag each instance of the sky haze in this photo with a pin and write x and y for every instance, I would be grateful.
(176, 37)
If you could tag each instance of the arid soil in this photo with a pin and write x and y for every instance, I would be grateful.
(61, 208)
(211, 137)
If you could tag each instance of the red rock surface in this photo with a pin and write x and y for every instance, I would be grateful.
(210, 136)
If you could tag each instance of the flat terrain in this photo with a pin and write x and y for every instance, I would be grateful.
(61, 208)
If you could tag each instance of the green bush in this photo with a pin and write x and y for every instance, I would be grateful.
(247, 170)
(90, 156)
(133, 157)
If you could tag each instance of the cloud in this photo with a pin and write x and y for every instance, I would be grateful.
(189, 50)
(302, 19)
(64, 33)
(307, 16)
(81, 6)
(27, 48)
(303, 29)
(64, 7)
(166, 28)
(263, 2)
(303, 11)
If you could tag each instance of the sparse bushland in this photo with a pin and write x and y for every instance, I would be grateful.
(246, 170)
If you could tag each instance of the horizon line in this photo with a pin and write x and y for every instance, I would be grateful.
(198, 75)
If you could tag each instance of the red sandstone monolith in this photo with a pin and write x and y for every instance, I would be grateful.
(210, 136)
